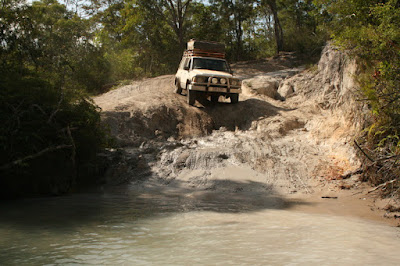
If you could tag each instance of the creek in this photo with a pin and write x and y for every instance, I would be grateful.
(132, 226)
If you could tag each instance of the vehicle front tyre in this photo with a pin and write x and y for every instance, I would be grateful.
(191, 97)
(234, 98)
(178, 88)
(214, 98)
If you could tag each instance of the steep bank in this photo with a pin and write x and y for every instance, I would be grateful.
(262, 146)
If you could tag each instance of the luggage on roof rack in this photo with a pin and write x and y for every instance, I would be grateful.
(206, 46)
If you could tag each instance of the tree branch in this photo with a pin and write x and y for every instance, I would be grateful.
(382, 185)
(58, 107)
(73, 155)
(33, 156)
(366, 155)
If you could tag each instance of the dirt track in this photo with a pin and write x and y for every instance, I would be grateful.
(259, 146)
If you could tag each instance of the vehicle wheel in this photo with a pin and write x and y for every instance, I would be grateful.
(178, 88)
(234, 98)
(191, 97)
(214, 98)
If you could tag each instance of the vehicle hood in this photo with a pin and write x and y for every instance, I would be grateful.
(207, 72)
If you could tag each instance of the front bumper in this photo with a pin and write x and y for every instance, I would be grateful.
(215, 89)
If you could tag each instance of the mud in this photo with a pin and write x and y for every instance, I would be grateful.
(297, 146)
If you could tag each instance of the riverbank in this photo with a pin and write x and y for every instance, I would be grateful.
(290, 135)
(353, 203)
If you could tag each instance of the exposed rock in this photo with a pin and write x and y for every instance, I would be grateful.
(268, 84)
(331, 86)
(286, 89)
(264, 85)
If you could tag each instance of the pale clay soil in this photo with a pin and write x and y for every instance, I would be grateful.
(293, 152)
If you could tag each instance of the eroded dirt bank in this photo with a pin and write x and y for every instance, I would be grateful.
(289, 135)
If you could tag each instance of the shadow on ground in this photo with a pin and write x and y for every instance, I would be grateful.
(133, 127)
(240, 115)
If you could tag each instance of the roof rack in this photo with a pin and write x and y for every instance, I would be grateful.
(198, 52)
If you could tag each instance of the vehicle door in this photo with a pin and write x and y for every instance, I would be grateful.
(184, 75)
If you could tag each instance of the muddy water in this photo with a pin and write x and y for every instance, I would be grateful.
(156, 227)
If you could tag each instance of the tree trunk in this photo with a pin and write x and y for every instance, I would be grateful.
(178, 12)
(239, 37)
(277, 26)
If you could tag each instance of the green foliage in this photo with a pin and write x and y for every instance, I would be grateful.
(147, 37)
(123, 64)
(300, 20)
(36, 120)
(205, 24)
(50, 129)
(371, 30)
(234, 15)
(138, 38)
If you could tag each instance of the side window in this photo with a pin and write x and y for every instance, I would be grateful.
(182, 63)
(187, 63)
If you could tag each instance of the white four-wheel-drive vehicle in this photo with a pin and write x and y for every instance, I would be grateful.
(204, 72)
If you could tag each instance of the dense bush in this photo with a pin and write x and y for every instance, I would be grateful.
(370, 30)
(50, 130)
(45, 140)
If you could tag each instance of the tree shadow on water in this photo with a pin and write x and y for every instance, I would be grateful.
(130, 203)
(44, 230)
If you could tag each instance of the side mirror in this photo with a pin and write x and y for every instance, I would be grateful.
(186, 68)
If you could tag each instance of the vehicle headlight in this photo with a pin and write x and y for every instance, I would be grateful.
(235, 82)
(223, 81)
(199, 79)
(214, 80)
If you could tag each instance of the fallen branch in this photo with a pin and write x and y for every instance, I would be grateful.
(366, 155)
(388, 158)
(33, 156)
(382, 185)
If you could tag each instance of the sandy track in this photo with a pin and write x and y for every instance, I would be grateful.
(264, 140)
(259, 146)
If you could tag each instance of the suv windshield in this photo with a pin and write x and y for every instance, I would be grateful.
(211, 64)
